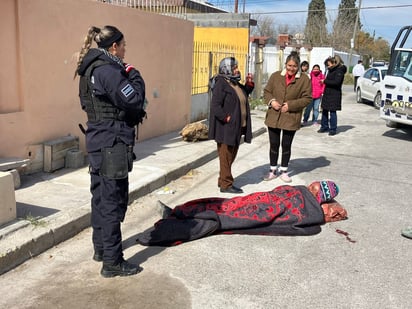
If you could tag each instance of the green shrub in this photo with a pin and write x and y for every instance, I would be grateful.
(348, 80)
(255, 102)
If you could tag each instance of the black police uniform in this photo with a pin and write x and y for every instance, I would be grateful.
(112, 98)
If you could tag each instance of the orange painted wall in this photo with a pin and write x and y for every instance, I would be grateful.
(38, 96)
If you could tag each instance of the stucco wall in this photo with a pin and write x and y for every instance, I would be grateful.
(38, 96)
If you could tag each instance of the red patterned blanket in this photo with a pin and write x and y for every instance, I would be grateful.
(286, 210)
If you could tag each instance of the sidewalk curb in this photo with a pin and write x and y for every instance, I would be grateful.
(62, 226)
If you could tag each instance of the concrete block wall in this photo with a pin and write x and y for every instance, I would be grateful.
(7, 198)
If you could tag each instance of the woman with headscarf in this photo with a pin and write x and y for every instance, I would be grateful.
(229, 119)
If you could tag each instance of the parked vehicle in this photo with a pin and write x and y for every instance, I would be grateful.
(368, 86)
(379, 63)
(396, 106)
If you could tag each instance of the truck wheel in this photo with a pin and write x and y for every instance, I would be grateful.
(391, 124)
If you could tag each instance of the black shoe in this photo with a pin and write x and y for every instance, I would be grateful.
(98, 255)
(322, 131)
(231, 189)
(331, 133)
(123, 268)
(165, 210)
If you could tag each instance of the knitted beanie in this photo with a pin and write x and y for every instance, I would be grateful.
(327, 191)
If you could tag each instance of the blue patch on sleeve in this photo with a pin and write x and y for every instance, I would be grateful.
(127, 90)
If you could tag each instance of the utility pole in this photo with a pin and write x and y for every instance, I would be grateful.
(236, 5)
(260, 44)
(355, 30)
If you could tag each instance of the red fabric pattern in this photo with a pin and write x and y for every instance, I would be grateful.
(285, 210)
(284, 203)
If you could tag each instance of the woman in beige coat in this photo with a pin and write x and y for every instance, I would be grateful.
(287, 93)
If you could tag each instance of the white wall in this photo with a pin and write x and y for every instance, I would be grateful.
(318, 55)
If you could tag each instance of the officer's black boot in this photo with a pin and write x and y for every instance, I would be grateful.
(123, 268)
(98, 255)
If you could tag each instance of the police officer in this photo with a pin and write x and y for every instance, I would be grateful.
(112, 94)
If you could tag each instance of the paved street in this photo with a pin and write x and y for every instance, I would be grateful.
(371, 164)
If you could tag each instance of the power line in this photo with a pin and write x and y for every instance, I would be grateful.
(252, 2)
(366, 24)
(341, 9)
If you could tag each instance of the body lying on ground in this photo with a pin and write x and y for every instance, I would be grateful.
(285, 210)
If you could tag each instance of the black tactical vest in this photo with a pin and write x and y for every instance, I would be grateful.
(97, 108)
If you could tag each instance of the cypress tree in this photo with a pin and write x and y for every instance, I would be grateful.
(343, 26)
(315, 30)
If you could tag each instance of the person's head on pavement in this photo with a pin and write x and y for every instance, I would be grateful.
(324, 190)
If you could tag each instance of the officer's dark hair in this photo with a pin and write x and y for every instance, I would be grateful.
(104, 38)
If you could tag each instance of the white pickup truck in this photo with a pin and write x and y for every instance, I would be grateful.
(396, 104)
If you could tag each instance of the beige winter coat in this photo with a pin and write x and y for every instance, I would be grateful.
(298, 95)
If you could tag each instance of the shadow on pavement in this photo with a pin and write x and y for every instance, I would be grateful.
(24, 210)
(150, 147)
(38, 177)
(296, 166)
(252, 176)
(305, 165)
(144, 255)
(342, 129)
(402, 133)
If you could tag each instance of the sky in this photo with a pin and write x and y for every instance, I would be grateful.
(382, 18)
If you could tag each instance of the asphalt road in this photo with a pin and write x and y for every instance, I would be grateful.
(371, 164)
